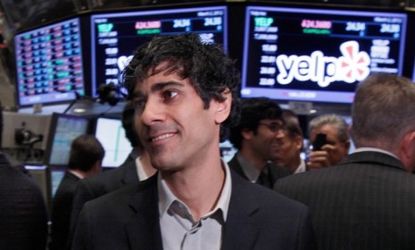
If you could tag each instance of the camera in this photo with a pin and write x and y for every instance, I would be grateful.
(320, 140)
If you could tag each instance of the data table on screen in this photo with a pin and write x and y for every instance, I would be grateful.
(49, 63)
(116, 35)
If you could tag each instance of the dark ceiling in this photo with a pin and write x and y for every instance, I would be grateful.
(21, 14)
(26, 13)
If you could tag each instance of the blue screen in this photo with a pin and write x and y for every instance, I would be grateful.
(56, 177)
(64, 129)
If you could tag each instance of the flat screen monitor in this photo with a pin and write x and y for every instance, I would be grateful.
(63, 130)
(115, 36)
(56, 176)
(111, 134)
(318, 55)
(49, 63)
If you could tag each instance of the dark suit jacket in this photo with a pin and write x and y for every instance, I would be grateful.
(61, 210)
(366, 202)
(275, 173)
(96, 186)
(258, 218)
(23, 215)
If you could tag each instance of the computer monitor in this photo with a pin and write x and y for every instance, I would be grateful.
(49, 63)
(116, 35)
(318, 55)
(111, 134)
(63, 130)
(56, 176)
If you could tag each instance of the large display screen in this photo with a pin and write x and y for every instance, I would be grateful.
(49, 63)
(317, 55)
(115, 36)
(111, 134)
(63, 130)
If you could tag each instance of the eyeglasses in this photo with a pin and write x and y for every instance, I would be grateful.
(273, 126)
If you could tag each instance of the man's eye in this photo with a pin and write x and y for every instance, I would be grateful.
(139, 104)
(276, 127)
(169, 94)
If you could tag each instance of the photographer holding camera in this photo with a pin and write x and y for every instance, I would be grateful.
(367, 200)
(330, 139)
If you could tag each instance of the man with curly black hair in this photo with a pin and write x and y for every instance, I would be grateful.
(256, 137)
(184, 92)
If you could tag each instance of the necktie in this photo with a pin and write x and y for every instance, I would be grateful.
(264, 178)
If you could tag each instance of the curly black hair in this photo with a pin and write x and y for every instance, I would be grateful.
(253, 110)
(210, 71)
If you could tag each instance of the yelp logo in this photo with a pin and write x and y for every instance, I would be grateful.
(352, 66)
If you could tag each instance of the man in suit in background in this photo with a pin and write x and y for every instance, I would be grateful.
(136, 167)
(290, 144)
(184, 91)
(23, 215)
(337, 145)
(85, 160)
(368, 200)
(255, 137)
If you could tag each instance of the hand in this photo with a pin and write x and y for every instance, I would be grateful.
(320, 158)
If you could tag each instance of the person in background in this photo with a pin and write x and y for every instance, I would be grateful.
(23, 213)
(288, 153)
(137, 167)
(85, 160)
(255, 137)
(367, 201)
(337, 143)
(184, 91)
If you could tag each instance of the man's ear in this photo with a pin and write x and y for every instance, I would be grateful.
(407, 151)
(247, 134)
(222, 109)
(299, 142)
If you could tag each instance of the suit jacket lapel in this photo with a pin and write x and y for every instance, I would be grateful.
(236, 166)
(130, 171)
(143, 230)
(241, 231)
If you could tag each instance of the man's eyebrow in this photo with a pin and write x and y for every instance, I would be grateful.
(162, 85)
(157, 87)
